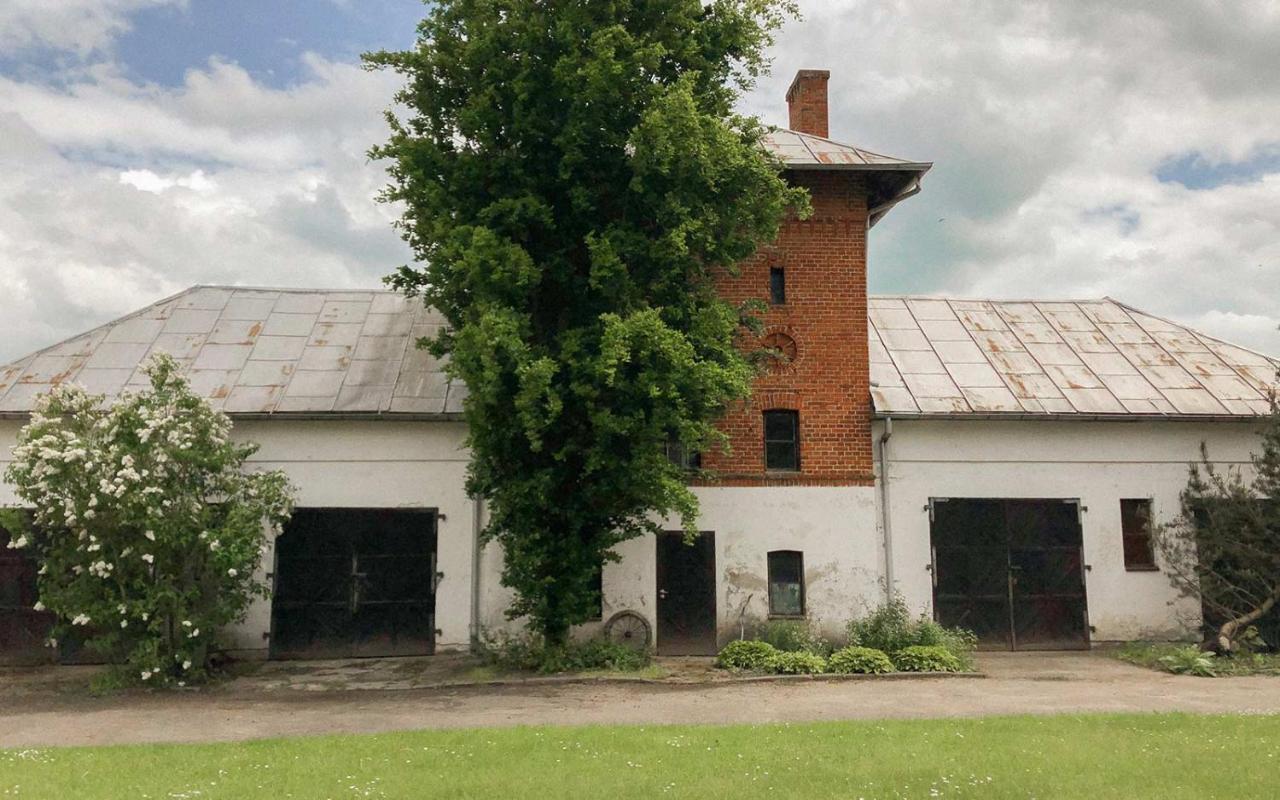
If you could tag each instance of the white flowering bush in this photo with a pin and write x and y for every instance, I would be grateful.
(147, 529)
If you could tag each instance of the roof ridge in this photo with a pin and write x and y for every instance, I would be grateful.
(838, 143)
(1199, 333)
(109, 323)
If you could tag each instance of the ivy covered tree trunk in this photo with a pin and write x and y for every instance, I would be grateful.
(574, 178)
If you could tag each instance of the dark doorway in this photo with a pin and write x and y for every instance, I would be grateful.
(1012, 571)
(355, 582)
(23, 631)
(686, 595)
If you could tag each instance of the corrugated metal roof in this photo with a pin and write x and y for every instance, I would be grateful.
(806, 151)
(941, 357)
(313, 352)
(260, 351)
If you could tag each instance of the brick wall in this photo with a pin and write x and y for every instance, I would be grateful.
(825, 258)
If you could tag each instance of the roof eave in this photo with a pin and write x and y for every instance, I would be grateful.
(1015, 416)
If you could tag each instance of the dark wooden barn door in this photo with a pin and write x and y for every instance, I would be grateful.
(686, 595)
(1012, 571)
(355, 582)
(23, 631)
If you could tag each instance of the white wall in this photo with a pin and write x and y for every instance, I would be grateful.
(1097, 462)
(379, 464)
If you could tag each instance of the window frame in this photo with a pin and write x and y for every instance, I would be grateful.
(778, 285)
(794, 441)
(1144, 536)
(799, 581)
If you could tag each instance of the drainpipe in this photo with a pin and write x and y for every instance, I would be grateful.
(477, 553)
(884, 509)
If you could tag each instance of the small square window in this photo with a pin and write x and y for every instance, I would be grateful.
(1135, 526)
(786, 583)
(782, 440)
(683, 457)
(777, 285)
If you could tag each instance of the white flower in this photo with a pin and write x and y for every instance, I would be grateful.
(194, 633)
(124, 623)
(147, 557)
(151, 535)
(122, 608)
(81, 619)
(186, 623)
(232, 572)
(145, 616)
(146, 674)
(19, 543)
(186, 664)
(38, 606)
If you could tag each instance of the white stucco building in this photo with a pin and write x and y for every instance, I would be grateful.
(999, 464)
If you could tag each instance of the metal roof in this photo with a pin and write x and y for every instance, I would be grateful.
(254, 352)
(805, 151)
(938, 357)
(260, 351)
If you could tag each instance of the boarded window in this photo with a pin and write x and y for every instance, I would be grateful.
(1135, 523)
(777, 285)
(786, 583)
(782, 440)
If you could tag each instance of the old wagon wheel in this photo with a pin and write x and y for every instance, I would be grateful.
(628, 629)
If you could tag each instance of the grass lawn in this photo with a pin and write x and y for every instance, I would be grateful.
(1158, 756)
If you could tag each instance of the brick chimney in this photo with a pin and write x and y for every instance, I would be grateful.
(807, 102)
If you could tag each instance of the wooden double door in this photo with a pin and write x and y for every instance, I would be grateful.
(355, 582)
(1012, 571)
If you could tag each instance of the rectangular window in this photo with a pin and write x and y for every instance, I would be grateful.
(786, 583)
(777, 286)
(1135, 524)
(682, 456)
(782, 440)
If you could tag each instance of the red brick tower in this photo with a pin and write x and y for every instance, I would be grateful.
(814, 278)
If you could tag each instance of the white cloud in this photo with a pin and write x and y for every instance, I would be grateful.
(1046, 121)
(115, 193)
(76, 26)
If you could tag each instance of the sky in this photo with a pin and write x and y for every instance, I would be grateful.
(1081, 150)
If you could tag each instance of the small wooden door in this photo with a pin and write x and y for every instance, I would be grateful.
(686, 594)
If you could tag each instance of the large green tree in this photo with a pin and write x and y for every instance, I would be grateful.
(574, 177)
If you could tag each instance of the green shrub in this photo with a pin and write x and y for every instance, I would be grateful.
(1190, 660)
(532, 654)
(746, 654)
(793, 636)
(797, 663)
(926, 658)
(859, 660)
(891, 628)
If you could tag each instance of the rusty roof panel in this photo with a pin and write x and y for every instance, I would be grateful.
(353, 352)
(988, 399)
(1084, 357)
(255, 351)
